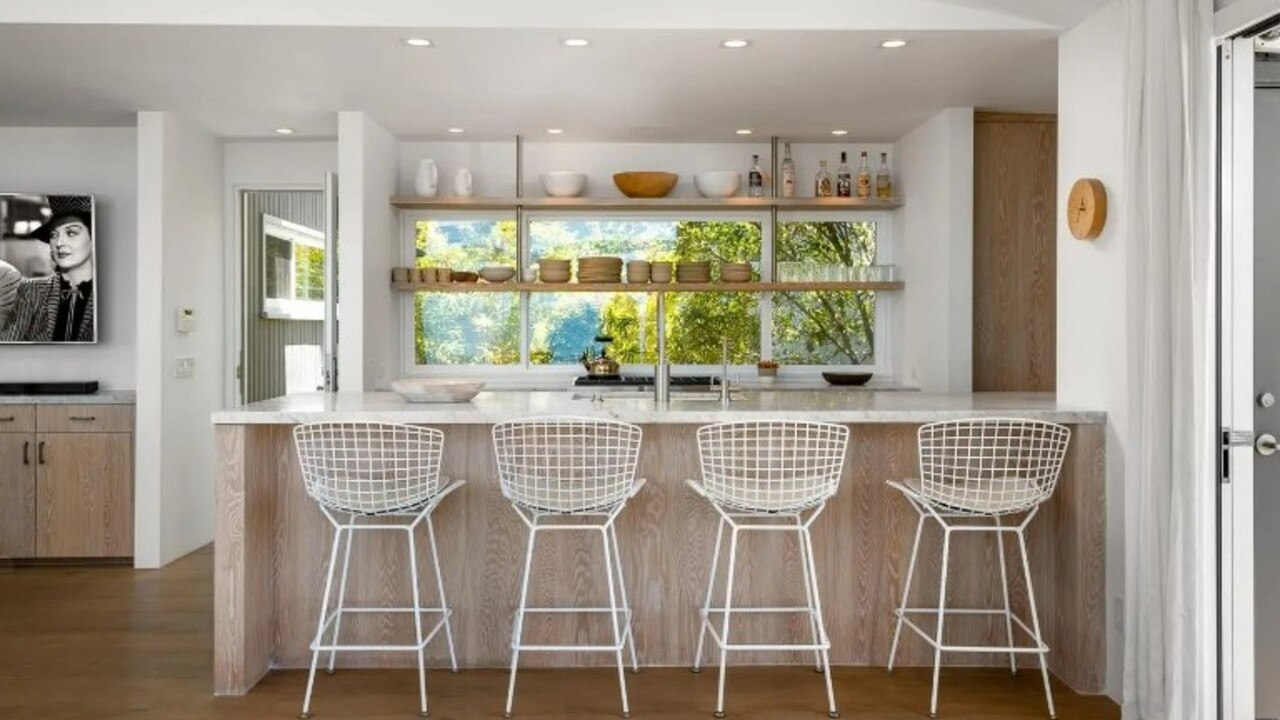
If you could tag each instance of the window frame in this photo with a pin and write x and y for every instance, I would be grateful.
(292, 307)
(524, 373)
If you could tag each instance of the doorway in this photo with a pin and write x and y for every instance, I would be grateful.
(285, 293)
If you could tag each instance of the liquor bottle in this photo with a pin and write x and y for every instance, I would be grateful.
(844, 181)
(864, 177)
(788, 174)
(822, 183)
(884, 185)
(755, 180)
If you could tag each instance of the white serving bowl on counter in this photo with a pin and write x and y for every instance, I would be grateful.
(437, 390)
(560, 183)
(717, 183)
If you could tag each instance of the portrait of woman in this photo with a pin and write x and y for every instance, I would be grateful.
(56, 305)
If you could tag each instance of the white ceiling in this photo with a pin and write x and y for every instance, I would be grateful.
(639, 85)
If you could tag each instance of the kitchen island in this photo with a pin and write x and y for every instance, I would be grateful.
(271, 542)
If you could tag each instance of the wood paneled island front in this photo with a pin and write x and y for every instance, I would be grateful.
(271, 541)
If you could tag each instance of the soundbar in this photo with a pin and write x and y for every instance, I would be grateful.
(49, 388)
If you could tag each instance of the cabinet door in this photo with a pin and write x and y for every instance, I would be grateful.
(84, 495)
(17, 495)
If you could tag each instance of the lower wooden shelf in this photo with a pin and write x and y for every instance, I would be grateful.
(537, 287)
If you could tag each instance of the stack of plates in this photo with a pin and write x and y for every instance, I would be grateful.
(553, 271)
(600, 269)
(735, 272)
(693, 272)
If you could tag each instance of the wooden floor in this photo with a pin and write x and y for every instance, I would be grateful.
(119, 643)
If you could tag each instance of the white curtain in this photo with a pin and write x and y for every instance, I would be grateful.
(1169, 655)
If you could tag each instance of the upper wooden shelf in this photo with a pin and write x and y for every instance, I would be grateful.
(623, 203)
(643, 287)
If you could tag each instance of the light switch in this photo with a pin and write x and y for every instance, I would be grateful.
(184, 367)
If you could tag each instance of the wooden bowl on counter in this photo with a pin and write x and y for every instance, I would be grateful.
(645, 184)
(465, 276)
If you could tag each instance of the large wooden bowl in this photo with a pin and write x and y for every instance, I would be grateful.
(645, 184)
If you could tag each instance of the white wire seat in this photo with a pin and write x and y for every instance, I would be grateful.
(971, 471)
(571, 474)
(768, 476)
(375, 477)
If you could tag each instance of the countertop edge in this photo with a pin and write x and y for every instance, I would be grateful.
(102, 397)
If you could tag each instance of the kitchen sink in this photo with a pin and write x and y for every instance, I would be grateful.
(677, 396)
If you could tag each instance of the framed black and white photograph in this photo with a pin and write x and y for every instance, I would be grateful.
(48, 282)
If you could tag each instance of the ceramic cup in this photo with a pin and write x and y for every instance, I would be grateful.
(402, 275)
(660, 272)
(444, 275)
(426, 275)
(638, 271)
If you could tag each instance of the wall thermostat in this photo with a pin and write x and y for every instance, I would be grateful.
(186, 320)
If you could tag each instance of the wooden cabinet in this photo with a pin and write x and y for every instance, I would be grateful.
(66, 481)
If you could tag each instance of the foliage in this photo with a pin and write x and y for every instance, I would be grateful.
(825, 328)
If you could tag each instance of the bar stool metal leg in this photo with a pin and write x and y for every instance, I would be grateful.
(706, 605)
(724, 628)
(320, 624)
(832, 712)
(1004, 589)
(942, 616)
(618, 637)
(517, 630)
(342, 596)
(906, 591)
(626, 604)
(1035, 620)
(808, 594)
(444, 603)
(417, 622)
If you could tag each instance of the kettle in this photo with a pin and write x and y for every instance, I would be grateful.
(601, 365)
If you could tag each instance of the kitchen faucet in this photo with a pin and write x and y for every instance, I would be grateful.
(724, 371)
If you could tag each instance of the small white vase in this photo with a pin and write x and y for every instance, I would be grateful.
(462, 183)
(427, 181)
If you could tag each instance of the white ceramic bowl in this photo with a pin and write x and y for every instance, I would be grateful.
(559, 183)
(437, 390)
(717, 183)
(497, 273)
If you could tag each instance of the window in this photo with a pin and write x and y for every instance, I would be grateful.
(549, 331)
(292, 271)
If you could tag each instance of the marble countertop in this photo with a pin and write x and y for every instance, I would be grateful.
(102, 397)
(493, 407)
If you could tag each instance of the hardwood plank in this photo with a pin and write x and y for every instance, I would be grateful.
(17, 495)
(632, 204)
(1014, 254)
(84, 495)
(667, 534)
(757, 287)
(84, 418)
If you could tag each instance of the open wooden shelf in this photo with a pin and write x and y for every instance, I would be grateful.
(623, 203)
(537, 287)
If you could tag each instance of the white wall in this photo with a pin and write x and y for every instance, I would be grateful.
(936, 252)
(101, 162)
(180, 255)
(368, 247)
(1092, 349)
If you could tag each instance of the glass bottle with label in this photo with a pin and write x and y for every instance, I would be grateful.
(755, 179)
(822, 182)
(788, 174)
(844, 181)
(884, 184)
(864, 177)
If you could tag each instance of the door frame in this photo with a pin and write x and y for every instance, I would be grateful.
(233, 282)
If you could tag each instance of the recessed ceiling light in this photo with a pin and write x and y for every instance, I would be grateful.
(418, 42)
(893, 44)
(744, 131)
(284, 131)
(576, 42)
(455, 131)
(839, 132)
(554, 131)
(735, 44)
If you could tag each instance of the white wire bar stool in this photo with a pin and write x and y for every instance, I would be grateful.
(370, 477)
(768, 476)
(570, 474)
(974, 475)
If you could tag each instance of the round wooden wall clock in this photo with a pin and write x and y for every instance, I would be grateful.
(1087, 208)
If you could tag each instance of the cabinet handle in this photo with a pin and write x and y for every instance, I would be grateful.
(8, 418)
(26, 452)
(83, 418)
(40, 453)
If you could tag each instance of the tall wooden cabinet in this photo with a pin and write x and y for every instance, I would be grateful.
(66, 481)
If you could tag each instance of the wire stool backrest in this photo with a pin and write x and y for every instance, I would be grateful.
(772, 466)
(566, 464)
(369, 468)
(991, 465)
